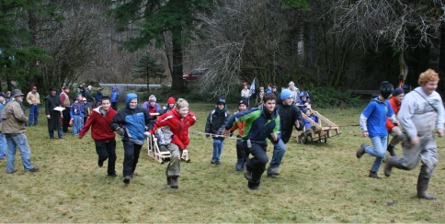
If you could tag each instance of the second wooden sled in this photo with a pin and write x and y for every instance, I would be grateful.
(154, 150)
(320, 131)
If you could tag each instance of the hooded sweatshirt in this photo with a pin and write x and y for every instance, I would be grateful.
(133, 121)
(100, 125)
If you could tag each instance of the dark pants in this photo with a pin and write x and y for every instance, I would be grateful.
(256, 164)
(131, 157)
(107, 150)
(66, 119)
(241, 153)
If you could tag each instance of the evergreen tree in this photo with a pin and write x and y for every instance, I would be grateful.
(147, 68)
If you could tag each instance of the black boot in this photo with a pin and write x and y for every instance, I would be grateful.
(422, 186)
(174, 182)
(169, 180)
(390, 149)
(373, 175)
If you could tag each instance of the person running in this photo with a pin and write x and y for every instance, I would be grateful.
(421, 112)
(290, 117)
(261, 123)
(179, 120)
(13, 126)
(395, 101)
(102, 134)
(373, 125)
(241, 153)
(130, 123)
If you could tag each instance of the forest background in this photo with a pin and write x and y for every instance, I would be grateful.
(332, 45)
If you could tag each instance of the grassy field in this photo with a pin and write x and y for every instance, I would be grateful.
(318, 183)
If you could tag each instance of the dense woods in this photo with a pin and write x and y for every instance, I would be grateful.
(340, 43)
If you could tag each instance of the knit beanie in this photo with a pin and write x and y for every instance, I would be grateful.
(152, 98)
(285, 94)
(397, 91)
(171, 100)
(221, 101)
(244, 101)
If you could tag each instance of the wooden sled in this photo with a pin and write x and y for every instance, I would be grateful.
(154, 151)
(320, 131)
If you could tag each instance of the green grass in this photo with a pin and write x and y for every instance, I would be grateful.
(318, 183)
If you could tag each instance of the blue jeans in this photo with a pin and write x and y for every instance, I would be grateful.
(217, 149)
(3, 145)
(33, 114)
(59, 133)
(379, 151)
(77, 124)
(20, 141)
(278, 152)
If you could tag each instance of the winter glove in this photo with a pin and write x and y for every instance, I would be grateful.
(120, 131)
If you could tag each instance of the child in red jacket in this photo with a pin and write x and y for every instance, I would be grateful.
(103, 135)
(180, 119)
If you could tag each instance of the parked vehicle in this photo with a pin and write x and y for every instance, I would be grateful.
(195, 74)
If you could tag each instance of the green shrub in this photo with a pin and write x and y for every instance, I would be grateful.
(324, 97)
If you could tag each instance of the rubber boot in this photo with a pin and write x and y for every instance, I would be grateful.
(240, 164)
(390, 162)
(390, 149)
(169, 180)
(174, 182)
(422, 186)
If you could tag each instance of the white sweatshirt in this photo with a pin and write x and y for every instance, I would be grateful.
(417, 116)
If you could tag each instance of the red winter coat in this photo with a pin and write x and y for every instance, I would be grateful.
(101, 126)
(178, 125)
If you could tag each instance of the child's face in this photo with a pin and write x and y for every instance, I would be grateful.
(106, 105)
(152, 103)
(183, 111)
(261, 89)
(270, 105)
(303, 98)
(220, 106)
(242, 107)
(288, 101)
(308, 112)
(133, 103)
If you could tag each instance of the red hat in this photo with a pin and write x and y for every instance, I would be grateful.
(34, 88)
(171, 100)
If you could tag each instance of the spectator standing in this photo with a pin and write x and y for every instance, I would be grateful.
(13, 126)
(246, 93)
(295, 91)
(131, 123)
(421, 112)
(2, 136)
(33, 99)
(179, 120)
(260, 96)
(77, 114)
(66, 103)
(98, 97)
(53, 116)
(215, 127)
(102, 134)
(114, 98)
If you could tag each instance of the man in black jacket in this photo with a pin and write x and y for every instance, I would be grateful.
(290, 116)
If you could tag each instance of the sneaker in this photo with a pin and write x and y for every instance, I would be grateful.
(33, 170)
(247, 174)
(361, 151)
(218, 162)
(213, 161)
(273, 172)
(374, 175)
(132, 175)
(127, 179)
(253, 187)
(10, 172)
(112, 175)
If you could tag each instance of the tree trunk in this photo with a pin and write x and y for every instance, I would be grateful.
(177, 81)
(442, 49)
(32, 25)
(403, 66)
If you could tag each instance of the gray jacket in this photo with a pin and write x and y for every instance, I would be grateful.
(13, 119)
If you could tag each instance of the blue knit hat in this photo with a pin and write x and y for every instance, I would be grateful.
(286, 94)
(397, 91)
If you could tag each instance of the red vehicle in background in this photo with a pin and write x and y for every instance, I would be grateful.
(195, 74)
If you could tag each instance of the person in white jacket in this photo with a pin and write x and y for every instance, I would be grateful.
(422, 111)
